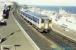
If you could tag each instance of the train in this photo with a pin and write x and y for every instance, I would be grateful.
(40, 22)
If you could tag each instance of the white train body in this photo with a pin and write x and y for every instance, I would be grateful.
(41, 22)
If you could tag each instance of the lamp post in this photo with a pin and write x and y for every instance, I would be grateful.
(16, 46)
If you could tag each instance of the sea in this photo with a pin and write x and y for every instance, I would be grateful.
(70, 9)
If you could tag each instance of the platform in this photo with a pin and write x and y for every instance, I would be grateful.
(17, 38)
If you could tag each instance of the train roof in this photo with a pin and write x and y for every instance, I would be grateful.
(36, 14)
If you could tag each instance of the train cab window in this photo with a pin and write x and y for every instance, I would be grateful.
(42, 21)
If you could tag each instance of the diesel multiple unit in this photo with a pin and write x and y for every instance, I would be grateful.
(40, 22)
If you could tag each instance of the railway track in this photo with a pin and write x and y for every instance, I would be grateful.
(62, 41)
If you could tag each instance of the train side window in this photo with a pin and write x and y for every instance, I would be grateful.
(42, 21)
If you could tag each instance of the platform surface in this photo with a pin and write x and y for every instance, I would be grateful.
(17, 38)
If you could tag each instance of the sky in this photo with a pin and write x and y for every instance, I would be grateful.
(47, 2)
